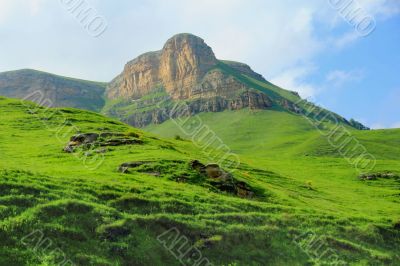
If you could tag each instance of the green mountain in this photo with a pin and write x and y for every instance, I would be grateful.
(52, 90)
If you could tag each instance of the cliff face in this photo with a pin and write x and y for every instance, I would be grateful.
(185, 60)
(186, 69)
(49, 89)
(178, 67)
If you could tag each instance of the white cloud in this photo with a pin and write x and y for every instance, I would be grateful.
(5, 9)
(346, 39)
(293, 79)
(385, 126)
(13, 8)
(377, 126)
(35, 6)
(381, 8)
(271, 36)
(339, 77)
(396, 125)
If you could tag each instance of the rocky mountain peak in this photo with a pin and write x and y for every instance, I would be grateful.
(185, 59)
(182, 63)
(186, 68)
(190, 48)
(189, 42)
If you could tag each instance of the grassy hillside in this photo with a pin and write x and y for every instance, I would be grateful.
(308, 207)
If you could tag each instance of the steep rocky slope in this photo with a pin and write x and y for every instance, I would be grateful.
(52, 90)
(186, 69)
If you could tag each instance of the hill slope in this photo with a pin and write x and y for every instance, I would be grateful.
(93, 214)
(52, 90)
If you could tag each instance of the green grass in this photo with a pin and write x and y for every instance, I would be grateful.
(102, 217)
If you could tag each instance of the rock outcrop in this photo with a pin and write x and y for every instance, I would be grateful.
(211, 176)
(178, 68)
(90, 141)
(222, 180)
(376, 176)
(185, 69)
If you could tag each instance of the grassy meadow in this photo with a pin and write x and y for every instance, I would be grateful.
(310, 206)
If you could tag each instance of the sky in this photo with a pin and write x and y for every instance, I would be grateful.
(343, 55)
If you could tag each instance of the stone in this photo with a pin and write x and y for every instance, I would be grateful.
(243, 190)
(84, 138)
(198, 166)
(92, 140)
(124, 168)
(214, 171)
(375, 176)
(222, 180)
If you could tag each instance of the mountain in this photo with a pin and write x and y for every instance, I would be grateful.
(52, 90)
(187, 71)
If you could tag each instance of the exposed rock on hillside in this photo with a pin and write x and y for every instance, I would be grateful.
(178, 67)
(222, 180)
(94, 140)
(210, 175)
(185, 69)
(375, 176)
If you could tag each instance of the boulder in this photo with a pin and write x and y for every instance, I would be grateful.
(120, 142)
(80, 139)
(124, 168)
(375, 176)
(84, 138)
(214, 171)
(222, 180)
(88, 140)
(196, 165)
(243, 190)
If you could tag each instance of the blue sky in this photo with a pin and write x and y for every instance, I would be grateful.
(304, 45)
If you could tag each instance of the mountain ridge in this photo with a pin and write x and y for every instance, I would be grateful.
(52, 90)
(185, 70)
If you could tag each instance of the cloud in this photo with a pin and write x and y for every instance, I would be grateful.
(385, 126)
(35, 6)
(340, 77)
(294, 79)
(346, 39)
(5, 8)
(381, 8)
(396, 125)
(271, 36)
(10, 9)
(377, 126)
